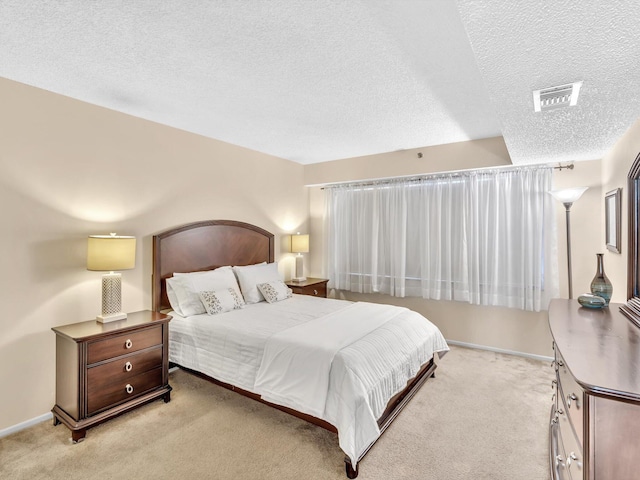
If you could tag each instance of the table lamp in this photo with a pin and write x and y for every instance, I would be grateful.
(108, 253)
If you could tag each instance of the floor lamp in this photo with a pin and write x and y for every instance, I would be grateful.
(567, 196)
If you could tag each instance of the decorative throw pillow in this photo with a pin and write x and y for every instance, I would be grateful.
(275, 291)
(250, 276)
(220, 301)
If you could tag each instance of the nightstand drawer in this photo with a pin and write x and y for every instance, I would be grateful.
(123, 368)
(120, 391)
(313, 290)
(123, 344)
(318, 290)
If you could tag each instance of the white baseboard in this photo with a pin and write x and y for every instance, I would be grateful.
(26, 424)
(500, 350)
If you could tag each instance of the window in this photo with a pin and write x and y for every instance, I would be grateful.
(483, 237)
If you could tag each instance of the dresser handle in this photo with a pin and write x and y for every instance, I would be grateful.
(128, 344)
(129, 388)
(128, 366)
(315, 292)
(560, 363)
(553, 384)
(571, 458)
(559, 462)
(574, 398)
(560, 411)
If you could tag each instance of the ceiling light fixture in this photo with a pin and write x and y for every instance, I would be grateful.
(556, 97)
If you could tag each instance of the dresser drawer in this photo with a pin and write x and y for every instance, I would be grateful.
(122, 390)
(123, 368)
(573, 458)
(123, 344)
(573, 398)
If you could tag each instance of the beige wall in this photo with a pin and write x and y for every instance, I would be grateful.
(489, 152)
(501, 328)
(69, 169)
(615, 168)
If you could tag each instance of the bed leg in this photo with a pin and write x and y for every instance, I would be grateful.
(433, 375)
(351, 472)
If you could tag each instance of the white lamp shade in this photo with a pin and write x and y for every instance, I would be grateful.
(300, 243)
(568, 195)
(108, 253)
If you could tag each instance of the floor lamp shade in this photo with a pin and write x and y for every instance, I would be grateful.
(110, 253)
(299, 245)
(568, 195)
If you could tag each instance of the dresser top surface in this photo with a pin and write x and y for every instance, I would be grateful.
(601, 347)
(86, 330)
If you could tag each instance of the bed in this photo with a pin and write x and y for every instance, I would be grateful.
(254, 350)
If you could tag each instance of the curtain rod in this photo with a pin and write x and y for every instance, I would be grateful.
(424, 176)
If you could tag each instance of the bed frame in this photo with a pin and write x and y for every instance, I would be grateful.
(214, 243)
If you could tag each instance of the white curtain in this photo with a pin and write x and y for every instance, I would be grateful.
(486, 237)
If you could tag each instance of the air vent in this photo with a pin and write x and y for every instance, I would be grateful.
(556, 97)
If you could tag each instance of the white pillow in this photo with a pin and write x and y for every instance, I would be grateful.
(184, 289)
(250, 276)
(275, 291)
(220, 301)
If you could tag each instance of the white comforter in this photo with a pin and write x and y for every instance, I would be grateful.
(367, 365)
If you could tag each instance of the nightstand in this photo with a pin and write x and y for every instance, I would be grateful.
(106, 369)
(316, 287)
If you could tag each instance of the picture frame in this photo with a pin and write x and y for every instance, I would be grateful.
(612, 215)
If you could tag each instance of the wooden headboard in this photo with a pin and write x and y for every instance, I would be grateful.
(204, 246)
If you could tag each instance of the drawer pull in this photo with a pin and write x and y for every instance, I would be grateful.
(315, 292)
(129, 388)
(560, 363)
(574, 398)
(559, 461)
(128, 366)
(128, 344)
(572, 458)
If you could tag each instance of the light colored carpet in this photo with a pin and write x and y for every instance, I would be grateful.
(485, 416)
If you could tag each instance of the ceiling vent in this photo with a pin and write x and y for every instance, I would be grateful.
(556, 97)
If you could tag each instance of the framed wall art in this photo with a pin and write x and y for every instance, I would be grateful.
(612, 213)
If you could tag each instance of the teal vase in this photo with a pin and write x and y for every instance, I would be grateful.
(600, 285)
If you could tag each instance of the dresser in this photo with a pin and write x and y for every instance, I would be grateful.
(106, 369)
(594, 430)
(316, 287)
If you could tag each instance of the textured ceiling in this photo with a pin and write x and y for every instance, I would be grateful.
(321, 80)
(527, 45)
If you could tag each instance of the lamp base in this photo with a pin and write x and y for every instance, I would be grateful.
(111, 318)
(111, 298)
(299, 277)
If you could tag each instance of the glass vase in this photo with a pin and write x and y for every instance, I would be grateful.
(600, 285)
